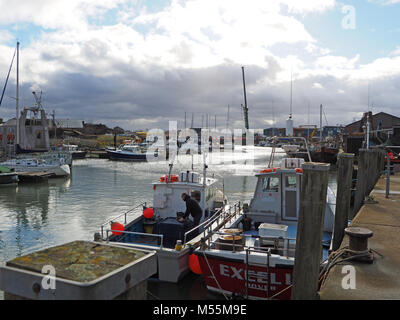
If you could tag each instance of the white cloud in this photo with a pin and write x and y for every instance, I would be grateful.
(187, 56)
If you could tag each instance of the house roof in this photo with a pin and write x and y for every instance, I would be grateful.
(374, 116)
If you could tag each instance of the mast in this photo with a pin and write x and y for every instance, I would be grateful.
(289, 121)
(291, 94)
(227, 118)
(245, 108)
(368, 128)
(273, 117)
(320, 123)
(17, 94)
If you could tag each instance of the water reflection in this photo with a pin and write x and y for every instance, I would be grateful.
(24, 211)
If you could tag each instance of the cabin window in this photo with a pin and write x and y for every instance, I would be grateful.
(291, 182)
(196, 194)
(271, 184)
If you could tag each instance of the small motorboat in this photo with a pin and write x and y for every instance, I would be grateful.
(129, 152)
(56, 166)
(8, 176)
(253, 255)
(164, 230)
(74, 151)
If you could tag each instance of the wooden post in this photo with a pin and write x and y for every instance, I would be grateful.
(309, 231)
(345, 174)
(369, 170)
(372, 170)
(362, 175)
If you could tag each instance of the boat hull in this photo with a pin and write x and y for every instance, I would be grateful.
(8, 178)
(228, 277)
(115, 155)
(58, 171)
(78, 155)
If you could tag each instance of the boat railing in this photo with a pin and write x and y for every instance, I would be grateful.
(125, 215)
(52, 157)
(118, 232)
(221, 217)
(267, 252)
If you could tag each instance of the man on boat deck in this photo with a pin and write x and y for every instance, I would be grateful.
(193, 208)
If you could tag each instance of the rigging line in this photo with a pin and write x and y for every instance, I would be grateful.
(8, 75)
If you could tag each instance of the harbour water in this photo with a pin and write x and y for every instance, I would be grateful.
(40, 215)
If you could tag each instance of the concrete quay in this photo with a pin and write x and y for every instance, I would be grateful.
(379, 280)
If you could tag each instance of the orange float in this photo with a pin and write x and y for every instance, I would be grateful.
(194, 264)
(117, 226)
(148, 213)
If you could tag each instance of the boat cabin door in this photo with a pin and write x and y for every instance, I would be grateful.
(290, 196)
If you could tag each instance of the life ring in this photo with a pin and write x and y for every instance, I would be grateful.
(298, 170)
(269, 170)
(174, 178)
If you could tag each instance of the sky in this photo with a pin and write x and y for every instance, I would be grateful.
(138, 64)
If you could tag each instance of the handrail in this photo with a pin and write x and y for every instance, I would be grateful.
(143, 204)
(211, 219)
(215, 217)
(139, 234)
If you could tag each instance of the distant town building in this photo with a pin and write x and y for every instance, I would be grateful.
(381, 120)
(69, 123)
(304, 132)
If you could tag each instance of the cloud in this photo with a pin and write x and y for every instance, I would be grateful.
(151, 66)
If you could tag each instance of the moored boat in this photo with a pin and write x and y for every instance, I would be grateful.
(253, 255)
(57, 167)
(74, 151)
(129, 152)
(163, 230)
(7, 176)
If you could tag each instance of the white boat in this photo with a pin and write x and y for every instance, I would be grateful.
(57, 167)
(167, 230)
(73, 149)
(253, 255)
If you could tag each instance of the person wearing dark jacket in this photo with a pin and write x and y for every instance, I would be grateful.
(192, 208)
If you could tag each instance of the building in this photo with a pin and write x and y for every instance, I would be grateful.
(381, 120)
(69, 124)
(32, 136)
(304, 131)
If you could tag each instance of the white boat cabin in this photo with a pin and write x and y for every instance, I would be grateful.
(167, 201)
(276, 198)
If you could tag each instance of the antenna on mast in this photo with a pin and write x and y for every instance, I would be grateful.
(17, 95)
(291, 93)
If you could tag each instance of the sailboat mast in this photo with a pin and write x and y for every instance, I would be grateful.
(227, 119)
(291, 94)
(320, 123)
(17, 95)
